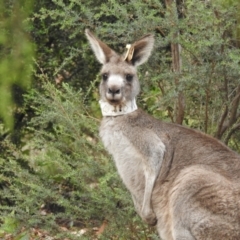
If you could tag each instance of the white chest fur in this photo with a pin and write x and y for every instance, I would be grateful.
(127, 158)
(138, 153)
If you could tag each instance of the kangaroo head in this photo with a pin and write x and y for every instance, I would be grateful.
(119, 73)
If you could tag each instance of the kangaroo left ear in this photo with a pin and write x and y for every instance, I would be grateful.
(102, 51)
(139, 52)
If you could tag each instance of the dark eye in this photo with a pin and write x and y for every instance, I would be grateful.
(129, 77)
(104, 76)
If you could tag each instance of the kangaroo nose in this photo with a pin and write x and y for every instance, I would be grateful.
(114, 91)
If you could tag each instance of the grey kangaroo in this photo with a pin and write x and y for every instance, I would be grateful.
(181, 180)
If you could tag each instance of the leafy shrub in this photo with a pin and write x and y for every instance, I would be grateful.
(16, 56)
(62, 176)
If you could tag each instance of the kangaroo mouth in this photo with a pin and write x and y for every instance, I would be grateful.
(115, 102)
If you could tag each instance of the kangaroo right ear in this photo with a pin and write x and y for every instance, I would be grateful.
(139, 52)
(102, 52)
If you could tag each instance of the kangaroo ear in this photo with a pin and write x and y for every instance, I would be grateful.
(139, 52)
(102, 52)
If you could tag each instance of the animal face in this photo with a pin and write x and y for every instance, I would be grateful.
(119, 74)
(119, 82)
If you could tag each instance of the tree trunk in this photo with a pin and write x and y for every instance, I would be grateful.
(176, 63)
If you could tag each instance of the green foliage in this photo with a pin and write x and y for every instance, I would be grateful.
(16, 53)
(63, 51)
(62, 175)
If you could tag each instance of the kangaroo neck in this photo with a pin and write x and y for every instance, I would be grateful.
(110, 110)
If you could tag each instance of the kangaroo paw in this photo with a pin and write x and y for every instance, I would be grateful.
(150, 218)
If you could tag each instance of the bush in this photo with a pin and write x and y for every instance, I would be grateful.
(62, 177)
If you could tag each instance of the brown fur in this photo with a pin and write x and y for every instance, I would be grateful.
(185, 181)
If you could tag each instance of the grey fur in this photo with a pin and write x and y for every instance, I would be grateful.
(186, 182)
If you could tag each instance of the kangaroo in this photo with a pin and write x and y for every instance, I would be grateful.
(181, 180)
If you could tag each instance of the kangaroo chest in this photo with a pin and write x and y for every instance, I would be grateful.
(127, 158)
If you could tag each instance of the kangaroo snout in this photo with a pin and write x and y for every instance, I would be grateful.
(114, 93)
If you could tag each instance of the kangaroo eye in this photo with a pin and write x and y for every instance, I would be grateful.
(104, 76)
(129, 77)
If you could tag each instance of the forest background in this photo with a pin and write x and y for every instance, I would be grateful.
(56, 180)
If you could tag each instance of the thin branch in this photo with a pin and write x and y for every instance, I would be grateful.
(208, 97)
(206, 111)
(231, 132)
(161, 88)
(176, 63)
(220, 128)
(180, 108)
(233, 117)
(234, 107)
(197, 60)
(161, 31)
(238, 115)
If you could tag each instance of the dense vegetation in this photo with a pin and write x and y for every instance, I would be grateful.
(55, 177)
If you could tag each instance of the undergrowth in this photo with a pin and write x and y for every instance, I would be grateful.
(62, 177)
